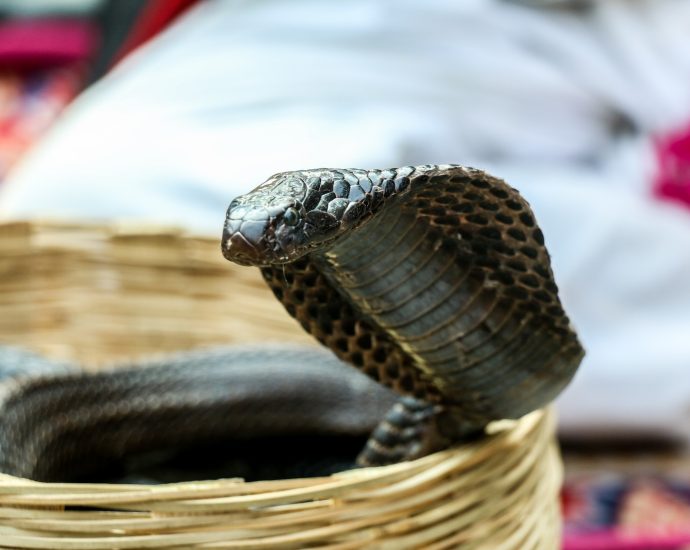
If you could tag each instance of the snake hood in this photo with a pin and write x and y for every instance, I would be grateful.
(434, 280)
(293, 213)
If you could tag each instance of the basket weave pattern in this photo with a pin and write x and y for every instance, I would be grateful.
(497, 493)
(98, 294)
(103, 293)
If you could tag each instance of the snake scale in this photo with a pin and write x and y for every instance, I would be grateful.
(431, 280)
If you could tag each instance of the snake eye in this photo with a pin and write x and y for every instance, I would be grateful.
(291, 217)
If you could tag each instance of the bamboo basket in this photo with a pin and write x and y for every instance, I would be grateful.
(98, 293)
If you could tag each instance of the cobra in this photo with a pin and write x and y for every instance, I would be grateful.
(433, 280)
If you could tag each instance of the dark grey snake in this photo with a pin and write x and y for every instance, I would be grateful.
(433, 280)
(146, 422)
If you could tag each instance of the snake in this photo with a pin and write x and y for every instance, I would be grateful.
(168, 417)
(433, 281)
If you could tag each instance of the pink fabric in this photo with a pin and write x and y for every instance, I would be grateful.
(610, 540)
(35, 43)
(673, 180)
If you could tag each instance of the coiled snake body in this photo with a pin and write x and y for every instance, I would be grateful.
(433, 280)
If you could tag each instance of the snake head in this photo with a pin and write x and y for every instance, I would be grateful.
(296, 213)
(288, 216)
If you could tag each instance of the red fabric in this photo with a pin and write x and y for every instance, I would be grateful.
(157, 15)
(29, 103)
(28, 44)
(673, 180)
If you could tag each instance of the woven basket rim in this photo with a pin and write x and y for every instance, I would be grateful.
(501, 434)
(507, 482)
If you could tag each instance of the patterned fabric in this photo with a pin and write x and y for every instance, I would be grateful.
(614, 512)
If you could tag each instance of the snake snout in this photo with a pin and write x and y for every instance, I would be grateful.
(237, 249)
(243, 242)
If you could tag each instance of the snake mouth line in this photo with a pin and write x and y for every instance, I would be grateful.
(250, 260)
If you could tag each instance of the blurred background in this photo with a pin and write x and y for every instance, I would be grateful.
(164, 110)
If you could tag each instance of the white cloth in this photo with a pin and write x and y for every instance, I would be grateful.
(561, 103)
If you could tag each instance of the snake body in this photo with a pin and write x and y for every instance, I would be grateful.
(433, 280)
(60, 423)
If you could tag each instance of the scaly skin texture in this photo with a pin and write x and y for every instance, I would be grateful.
(433, 280)
(60, 423)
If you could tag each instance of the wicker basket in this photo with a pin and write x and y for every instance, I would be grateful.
(99, 293)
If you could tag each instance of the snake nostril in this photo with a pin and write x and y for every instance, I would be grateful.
(237, 248)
